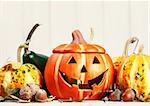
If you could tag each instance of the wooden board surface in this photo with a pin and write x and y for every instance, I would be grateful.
(84, 103)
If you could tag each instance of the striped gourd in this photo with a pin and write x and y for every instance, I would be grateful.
(133, 71)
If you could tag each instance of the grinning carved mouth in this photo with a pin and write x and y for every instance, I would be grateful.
(80, 84)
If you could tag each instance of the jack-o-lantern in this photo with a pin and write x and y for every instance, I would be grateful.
(134, 72)
(79, 70)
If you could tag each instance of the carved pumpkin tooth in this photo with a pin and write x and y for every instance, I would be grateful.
(78, 82)
(64, 74)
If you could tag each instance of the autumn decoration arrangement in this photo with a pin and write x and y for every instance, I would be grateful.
(75, 72)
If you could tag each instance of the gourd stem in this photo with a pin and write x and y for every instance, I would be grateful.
(26, 44)
(131, 40)
(140, 49)
(19, 51)
(29, 36)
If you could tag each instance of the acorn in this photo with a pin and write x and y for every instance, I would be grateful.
(128, 95)
(41, 95)
(34, 88)
(115, 96)
(25, 93)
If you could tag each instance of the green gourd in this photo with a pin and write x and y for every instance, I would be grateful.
(39, 60)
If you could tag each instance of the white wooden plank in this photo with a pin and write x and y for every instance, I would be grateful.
(139, 22)
(113, 23)
(10, 30)
(38, 12)
(116, 26)
(90, 14)
(63, 22)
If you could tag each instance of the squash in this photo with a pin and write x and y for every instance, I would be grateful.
(15, 75)
(134, 72)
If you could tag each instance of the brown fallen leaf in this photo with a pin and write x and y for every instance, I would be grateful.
(18, 99)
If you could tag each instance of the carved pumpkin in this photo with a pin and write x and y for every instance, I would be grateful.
(79, 70)
(134, 72)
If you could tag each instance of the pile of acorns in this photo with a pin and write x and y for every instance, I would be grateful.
(33, 92)
(118, 95)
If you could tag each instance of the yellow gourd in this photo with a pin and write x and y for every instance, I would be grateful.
(14, 75)
(133, 71)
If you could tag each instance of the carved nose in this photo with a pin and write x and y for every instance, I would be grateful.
(83, 70)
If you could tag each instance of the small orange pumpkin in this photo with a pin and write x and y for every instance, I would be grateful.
(79, 70)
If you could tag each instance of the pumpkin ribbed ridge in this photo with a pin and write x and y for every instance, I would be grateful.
(75, 48)
(56, 74)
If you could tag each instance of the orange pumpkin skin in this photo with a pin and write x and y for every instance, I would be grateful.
(77, 80)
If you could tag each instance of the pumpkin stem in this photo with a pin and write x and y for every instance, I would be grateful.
(131, 40)
(74, 38)
(77, 38)
(140, 49)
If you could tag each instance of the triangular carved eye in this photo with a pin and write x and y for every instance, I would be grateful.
(72, 61)
(96, 61)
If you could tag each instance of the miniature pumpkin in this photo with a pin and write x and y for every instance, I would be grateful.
(79, 70)
(135, 73)
(15, 75)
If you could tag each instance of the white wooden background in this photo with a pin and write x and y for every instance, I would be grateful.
(113, 23)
